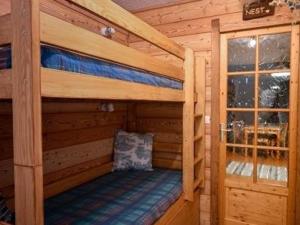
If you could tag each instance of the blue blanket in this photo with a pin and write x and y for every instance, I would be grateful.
(119, 198)
(59, 59)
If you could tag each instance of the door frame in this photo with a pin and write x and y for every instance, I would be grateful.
(294, 29)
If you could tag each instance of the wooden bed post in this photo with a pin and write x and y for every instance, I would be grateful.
(188, 126)
(27, 112)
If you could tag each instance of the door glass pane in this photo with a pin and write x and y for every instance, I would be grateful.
(274, 90)
(274, 51)
(240, 92)
(272, 166)
(241, 54)
(273, 129)
(239, 126)
(239, 162)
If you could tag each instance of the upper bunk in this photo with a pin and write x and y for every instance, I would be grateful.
(78, 63)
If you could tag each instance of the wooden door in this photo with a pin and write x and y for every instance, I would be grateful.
(258, 115)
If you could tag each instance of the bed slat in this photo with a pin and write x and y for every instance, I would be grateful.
(60, 33)
(119, 16)
(62, 84)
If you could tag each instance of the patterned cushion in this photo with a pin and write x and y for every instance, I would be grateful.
(133, 151)
(5, 214)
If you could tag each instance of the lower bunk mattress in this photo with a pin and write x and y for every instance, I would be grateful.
(55, 58)
(119, 198)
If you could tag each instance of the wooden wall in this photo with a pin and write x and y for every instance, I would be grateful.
(78, 139)
(190, 25)
(164, 120)
(77, 143)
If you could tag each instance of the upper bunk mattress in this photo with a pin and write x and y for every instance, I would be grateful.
(55, 58)
(119, 198)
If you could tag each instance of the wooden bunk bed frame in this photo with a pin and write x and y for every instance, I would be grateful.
(27, 83)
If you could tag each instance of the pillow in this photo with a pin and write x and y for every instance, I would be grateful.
(5, 214)
(133, 151)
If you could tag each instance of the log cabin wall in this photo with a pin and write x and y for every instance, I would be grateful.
(190, 25)
(77, 143)
(164, 120)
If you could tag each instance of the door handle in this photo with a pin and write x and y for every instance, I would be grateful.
(223, 130)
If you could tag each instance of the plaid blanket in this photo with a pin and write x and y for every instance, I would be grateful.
(119, 198)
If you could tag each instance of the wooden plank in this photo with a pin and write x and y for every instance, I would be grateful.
(160, 125)
(78, 16)
(5, 29)
(5, 84)
(75, 106)
(260, 208)
(293, 123)
(27, 112)
(58, 32)
(229, 20)
(182, 212)
(298, 163)
(65, 139)
(62, 158)
(197, 42)
(167, 147)
(215, 118)
(117, 15)
(76, 169)
(167, 163)
(54, 122)
(62, 84)
(189, 11)
(75, 180)
(29, 194)
(199, 148)
(159, 110)
(143, 5)
(188, 127)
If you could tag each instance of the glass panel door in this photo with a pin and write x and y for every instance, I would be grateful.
(258, 130)
(257, 108)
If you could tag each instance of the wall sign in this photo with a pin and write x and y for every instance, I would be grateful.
(258, 9)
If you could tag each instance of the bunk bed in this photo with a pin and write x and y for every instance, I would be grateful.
(45, 56)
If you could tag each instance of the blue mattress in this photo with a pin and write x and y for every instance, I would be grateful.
(119, 198)
(59, 59)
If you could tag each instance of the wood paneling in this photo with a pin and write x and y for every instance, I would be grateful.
(196, 17)
(78, 143)
(5, 7)
(164, 120)
(142, 5)
(215, 115)
(117, 15)
(188, 126)
(73, 14)
(255, 208)
(5, 29)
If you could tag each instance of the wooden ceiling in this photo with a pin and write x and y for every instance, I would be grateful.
(130, 5)
(141, 5)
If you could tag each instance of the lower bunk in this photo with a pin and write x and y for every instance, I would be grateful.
(119, 198)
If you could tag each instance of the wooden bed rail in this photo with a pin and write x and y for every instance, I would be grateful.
(5, 29)
(119, 16)
(60, 33)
